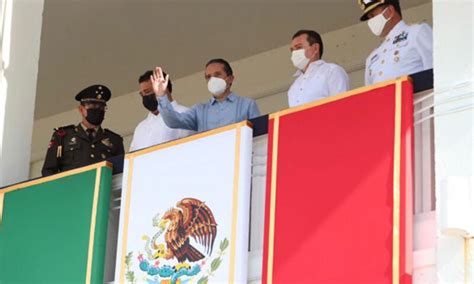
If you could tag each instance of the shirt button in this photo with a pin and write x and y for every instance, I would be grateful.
(92, 156)
(92, 146)
(103, 156)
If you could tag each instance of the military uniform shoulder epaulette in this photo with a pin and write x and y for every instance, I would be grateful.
(61, 131)
(71, 126)
(108, 131)
(58, 136)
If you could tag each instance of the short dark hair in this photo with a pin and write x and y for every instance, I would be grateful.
(313, 37)
(146, 76)
(227, 68)
(397, 7)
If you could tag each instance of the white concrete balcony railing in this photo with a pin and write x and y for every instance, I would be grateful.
(424, 153)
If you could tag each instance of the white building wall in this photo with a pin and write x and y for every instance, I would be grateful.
(453, 120)
(21, 23)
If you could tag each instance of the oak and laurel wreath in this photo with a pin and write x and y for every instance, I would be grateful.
(216, 262)
(129, 275)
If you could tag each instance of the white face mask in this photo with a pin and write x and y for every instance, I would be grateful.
(377, 23)
(298, 58)
(216, 86)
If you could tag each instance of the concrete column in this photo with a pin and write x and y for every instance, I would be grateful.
(454, 116)
(21, 23)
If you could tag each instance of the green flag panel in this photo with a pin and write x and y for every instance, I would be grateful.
(54, 230)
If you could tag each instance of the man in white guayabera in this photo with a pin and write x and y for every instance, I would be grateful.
(315, 78)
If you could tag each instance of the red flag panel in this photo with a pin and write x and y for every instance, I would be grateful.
(339, 171)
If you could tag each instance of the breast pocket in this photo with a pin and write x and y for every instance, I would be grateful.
(373, 61)
(106, 149)
(399, 45)
(399, 51)
(72, 153)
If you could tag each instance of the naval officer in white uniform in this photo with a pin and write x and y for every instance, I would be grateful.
(406, 49)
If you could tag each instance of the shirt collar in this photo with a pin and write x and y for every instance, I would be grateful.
(152, 116)
(231, 97)
(312, 65)
(396, 30)
(85, 128)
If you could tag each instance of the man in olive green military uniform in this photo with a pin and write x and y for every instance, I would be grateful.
(74, 146)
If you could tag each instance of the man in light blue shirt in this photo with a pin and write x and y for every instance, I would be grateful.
(224, 108)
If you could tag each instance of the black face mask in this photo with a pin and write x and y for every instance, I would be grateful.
(150, 102)
(95, 116)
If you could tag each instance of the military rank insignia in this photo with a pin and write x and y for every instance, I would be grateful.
(107, 142)
(401, 37)
(73, 141)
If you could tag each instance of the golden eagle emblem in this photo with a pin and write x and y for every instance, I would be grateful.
(190, 219)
